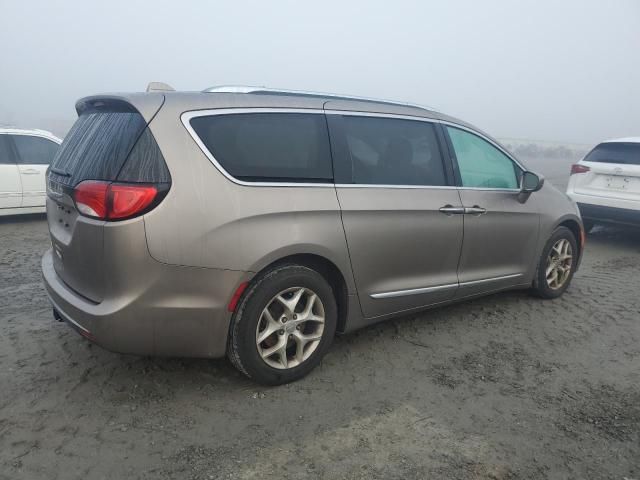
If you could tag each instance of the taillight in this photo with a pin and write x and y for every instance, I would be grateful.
(113, 201)
(578, 168)
(91, 198)
(128, 200)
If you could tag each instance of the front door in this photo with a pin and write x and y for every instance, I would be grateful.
(34, 156)
(392, 183)
(500, 232)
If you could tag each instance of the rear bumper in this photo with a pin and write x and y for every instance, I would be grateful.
(179, 311)
(605, 214)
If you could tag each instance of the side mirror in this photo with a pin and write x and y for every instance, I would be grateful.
(531, 182)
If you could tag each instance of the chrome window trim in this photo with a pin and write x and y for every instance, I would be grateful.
(429, 120)
(418, 291)
(186, 119)
(423, 187)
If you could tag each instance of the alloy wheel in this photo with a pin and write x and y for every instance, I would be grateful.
(290, 327)
(559, 263)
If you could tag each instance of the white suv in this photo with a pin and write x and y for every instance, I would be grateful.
(25, 156)
(606, 183)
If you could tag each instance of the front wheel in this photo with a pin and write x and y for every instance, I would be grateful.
(283, 326)
(557, 264)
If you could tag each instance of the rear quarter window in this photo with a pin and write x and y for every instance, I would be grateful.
(619, 152)
(273, 147)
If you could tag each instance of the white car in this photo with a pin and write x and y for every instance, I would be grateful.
(606, 183)
(25, 156)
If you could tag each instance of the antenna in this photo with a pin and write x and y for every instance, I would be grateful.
(159, 87)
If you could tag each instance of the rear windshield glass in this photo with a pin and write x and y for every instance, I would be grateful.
(97, 146)
(619, 152)
(286, 147)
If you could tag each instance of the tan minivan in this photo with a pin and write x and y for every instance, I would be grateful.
(258, 223)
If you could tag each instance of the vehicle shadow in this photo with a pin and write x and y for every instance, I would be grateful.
(366, 346)
(620, 236)
(24, 218)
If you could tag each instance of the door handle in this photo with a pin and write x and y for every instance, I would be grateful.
(475, 210)
(451, 210)
(30, 171)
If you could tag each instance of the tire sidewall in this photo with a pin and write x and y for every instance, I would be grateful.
(242, 339)
(543, 288)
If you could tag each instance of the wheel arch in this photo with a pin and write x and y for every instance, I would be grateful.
(577, 229)
(325, 267)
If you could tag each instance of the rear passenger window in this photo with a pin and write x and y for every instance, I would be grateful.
(387, 151)
(34, 150)
(272, 147)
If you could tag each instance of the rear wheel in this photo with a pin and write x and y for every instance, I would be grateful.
(557, 264)
(283, 326)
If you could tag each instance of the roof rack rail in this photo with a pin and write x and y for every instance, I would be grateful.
(303, 93)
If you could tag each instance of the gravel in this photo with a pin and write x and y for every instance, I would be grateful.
(503, 387)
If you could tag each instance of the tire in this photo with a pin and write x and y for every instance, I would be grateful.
(542, 286)
(249, 322)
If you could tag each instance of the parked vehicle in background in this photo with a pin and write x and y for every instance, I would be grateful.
(606, 183)
(257, 223)
(25, 156)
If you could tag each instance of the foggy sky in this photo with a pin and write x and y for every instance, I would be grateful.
(563, 70)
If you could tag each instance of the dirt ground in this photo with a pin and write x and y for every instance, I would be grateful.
(503, 387)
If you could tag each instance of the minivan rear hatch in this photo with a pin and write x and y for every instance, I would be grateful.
(110, 142)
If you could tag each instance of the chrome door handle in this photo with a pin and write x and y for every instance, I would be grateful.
(475, 210)
(451, 210)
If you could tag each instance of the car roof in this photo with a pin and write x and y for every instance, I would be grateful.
(263, 97)
(29, 131)
(227, 97)
(624, 140)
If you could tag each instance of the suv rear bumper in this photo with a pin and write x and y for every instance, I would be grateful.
(181, 312)
(605, 214)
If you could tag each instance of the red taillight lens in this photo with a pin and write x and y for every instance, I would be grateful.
(577, 168)
(91, 198)
(128, 200)
(112, 201)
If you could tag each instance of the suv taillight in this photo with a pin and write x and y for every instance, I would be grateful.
(577, 168)
(114, 201)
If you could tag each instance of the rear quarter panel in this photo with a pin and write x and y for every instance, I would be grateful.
(208, 221)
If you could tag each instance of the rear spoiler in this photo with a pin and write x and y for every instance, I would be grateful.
(146, 104)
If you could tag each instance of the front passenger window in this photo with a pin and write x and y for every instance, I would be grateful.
(481, 164)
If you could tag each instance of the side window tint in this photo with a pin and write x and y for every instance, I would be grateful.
(6, 157)
(481, 164)
(387, 151)
(35, 150)
(273, 147)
